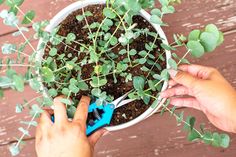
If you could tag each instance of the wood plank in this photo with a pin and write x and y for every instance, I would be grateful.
(195, 14)
(50, 8)
(156, 136)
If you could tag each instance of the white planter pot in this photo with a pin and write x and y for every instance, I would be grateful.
(83, 3)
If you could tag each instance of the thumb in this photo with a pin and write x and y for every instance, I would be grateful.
(93, 139)
(183, 78)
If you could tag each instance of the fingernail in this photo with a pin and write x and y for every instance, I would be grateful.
(172, 72)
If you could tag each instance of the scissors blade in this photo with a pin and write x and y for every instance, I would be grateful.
(124, 102)
(120, 99)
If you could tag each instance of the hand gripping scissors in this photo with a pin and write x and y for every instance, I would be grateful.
(104, 113)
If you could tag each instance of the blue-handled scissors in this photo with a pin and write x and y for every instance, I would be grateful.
(105, 117)
(106, 111)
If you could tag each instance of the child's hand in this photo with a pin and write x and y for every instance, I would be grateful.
(208, 91)
(64, 138)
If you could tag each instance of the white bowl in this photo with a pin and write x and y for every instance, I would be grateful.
(80, 4)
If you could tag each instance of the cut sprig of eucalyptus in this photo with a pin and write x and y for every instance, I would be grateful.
(55, 71)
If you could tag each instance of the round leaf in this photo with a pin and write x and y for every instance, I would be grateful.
(196, 49)
(18, 83)
(208, 41)
(109, 13)
(194, 35)
(211, 28)
(47, 74)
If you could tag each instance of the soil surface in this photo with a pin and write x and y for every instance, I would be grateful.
(72, 25)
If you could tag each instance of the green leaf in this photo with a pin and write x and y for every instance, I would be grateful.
(29, 16)
(165, 75)
(164, 2)
(26, 132)
(1, 93)
(156, 11)
(14, 150)
(35, 110)
(138, 83)
(225, 140)
(83, 86)
(211, 28)
(192, 121)
(196, 49)
(5, 82)
(207, 138)
(12, 3)
(31, 123)
(80, 17)
(193, 135)
(133, 5)
(167, 47)
(71, 111)
(194, 35)
(156, 19)
(122, 52)
(1, 1)
(132, 52)
(96, 82)
(151, 85)
(216, 139)
(208, 41)
(142, 60)
(9, 49)
(19, 108)
(18, 83)
(109, 13)
(88, 13)
(221, 39)
(34, 84)
(52, 92)
(70, 38)
(53, 52)
(173, 64)
(113, 41)
(47, 74)
(96, 92)
(65, 91)
(168, 9)
(66, 101)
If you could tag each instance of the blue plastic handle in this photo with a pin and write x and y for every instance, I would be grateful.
(106, 117)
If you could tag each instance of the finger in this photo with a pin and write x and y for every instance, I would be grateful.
(176, 91)
(38, 135)
(45, 120)
(93, 139)
(81, 113)
(183, 78)
(172, 83)
(60, 111)
(185, 102)
(199, 71)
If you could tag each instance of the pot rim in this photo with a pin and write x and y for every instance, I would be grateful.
(59, 17)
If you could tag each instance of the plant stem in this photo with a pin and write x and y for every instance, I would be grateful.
(86, 21)
(28, 127)
(183, 57)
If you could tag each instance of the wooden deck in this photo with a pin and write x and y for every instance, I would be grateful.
(158, 135)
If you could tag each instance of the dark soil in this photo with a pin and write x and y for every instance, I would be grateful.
(70, 24)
